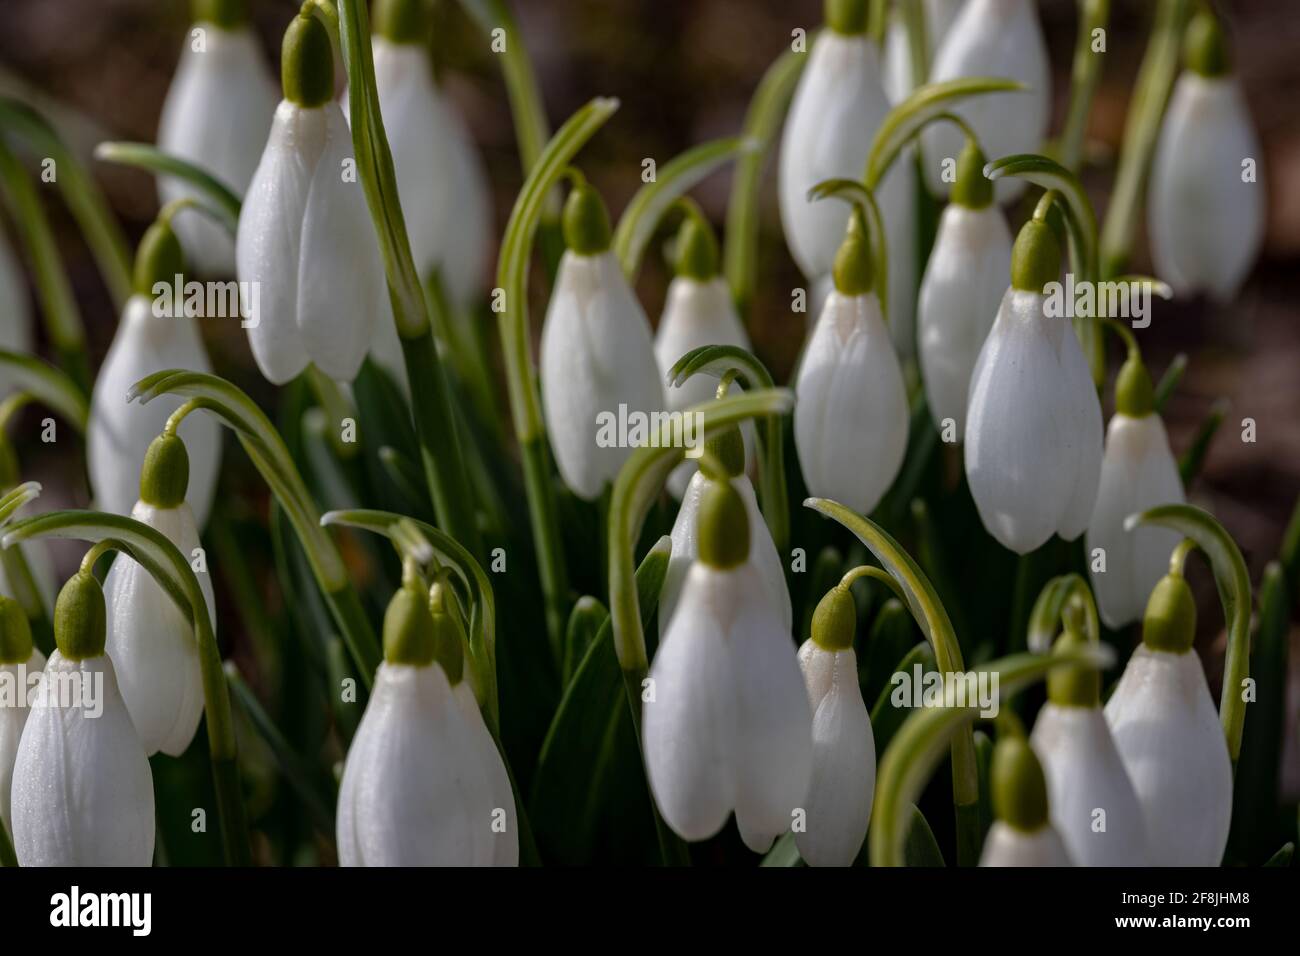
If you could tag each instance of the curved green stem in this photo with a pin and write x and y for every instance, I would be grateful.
(875, 574)
(270, 456)
(1046, 617)
(215, 198)
(920, 742)
(855, 193)
(652, 200)
(1233, 582)
(724, 360)
(932, 618)
(1084, 79)
(171, 569)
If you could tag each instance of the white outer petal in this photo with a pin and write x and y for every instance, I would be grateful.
(686, 548)
(963, 286)
(119, 433)
(83, 790)
(1033, 428)
(341, 281)
(1206, 224)
(596, 354)
(1007, 846)
(1138, 472)
(217, 114)
(992, 38)
(1168, 734)
(695, 314)
(851, 414)
(844, 759)
(151, 642)
(269, 238)
(414, 790)
(13, 716)
(1084, 774)
(505, 845)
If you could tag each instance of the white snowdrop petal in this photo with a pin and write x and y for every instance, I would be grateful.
(13, 717)
(118, 434)
(1085, 438)
(217, 114)
(340, 275)
(1094, 807)
(1206, 222)
(695, 314)
(505, 844)
(1167, 732)
(1007, 846)
(83, 790)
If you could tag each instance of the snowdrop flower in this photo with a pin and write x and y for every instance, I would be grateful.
(1085, 776)
(939, 17)
(1206, 214)
(837, 108)
(305, 234)
(992, 38)
(1138, 471)
(844, 750)
(82, 790)
(699, 311)
(15, 308)
(153, 646)
(1022, 834)
(1168, 734)
(963, 285)
(423, 784)
(440, 178)
(1033, 426)
(20, 662)
(216, 115)
(149, 339)
(597, 353)
(729, 725)
(851, 415)
(729, 451)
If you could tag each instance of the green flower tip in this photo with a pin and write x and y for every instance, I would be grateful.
(1073, 686)
(227, 14)
(165, 476)
(835, 620)
(724, 526)
(1205, 46)
(847, 17)
(728, 449)
(697, 250)
(1019, 789)
(586, 221)
(80, 621)
(158, 258)
(410, 636)
(447, 649)
(307, 63)
(15, 633)
(972, 189)
(1170, 621)
(854, 270)
(402, 21)
(1035, 258)
(1135, 396)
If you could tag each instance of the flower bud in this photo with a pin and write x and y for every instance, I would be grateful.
(1035, 257)
(166, 472)
(401, 21)
(1018, 786)
(307, 63)
(854, 269)
(410, 635)
(697, 250)
(15, 632)
(80, 621)
(585, 221)
(724, 527)
(1134, 394)
(158, 259)
(1170, 621)
(972, 189)
(835, 620)
(227, 14)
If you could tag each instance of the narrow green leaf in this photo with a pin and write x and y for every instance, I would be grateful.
(213, 195)
(586, 621)
(46, 384)
(1282, 858)
(886, 718)
(1168, 383)
(1193, 459)
(920, 848)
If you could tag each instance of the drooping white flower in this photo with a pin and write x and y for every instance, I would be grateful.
(729, 727)
(152, 644)
(216, 115)
(421, 786)
(1138, 471)
(963, 285)
(20, 663)
(148, 339)
(1206, 209)
(596, 354)
(82, 788)
(837, 108)
(15, 307)
(305, 234)
(1006, 846)
(1093, 805)
(939, 17)
(850, 414)
(998, 38)
(1022, 833)
(1168, 734)
(844, 749)
(1033, 426)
